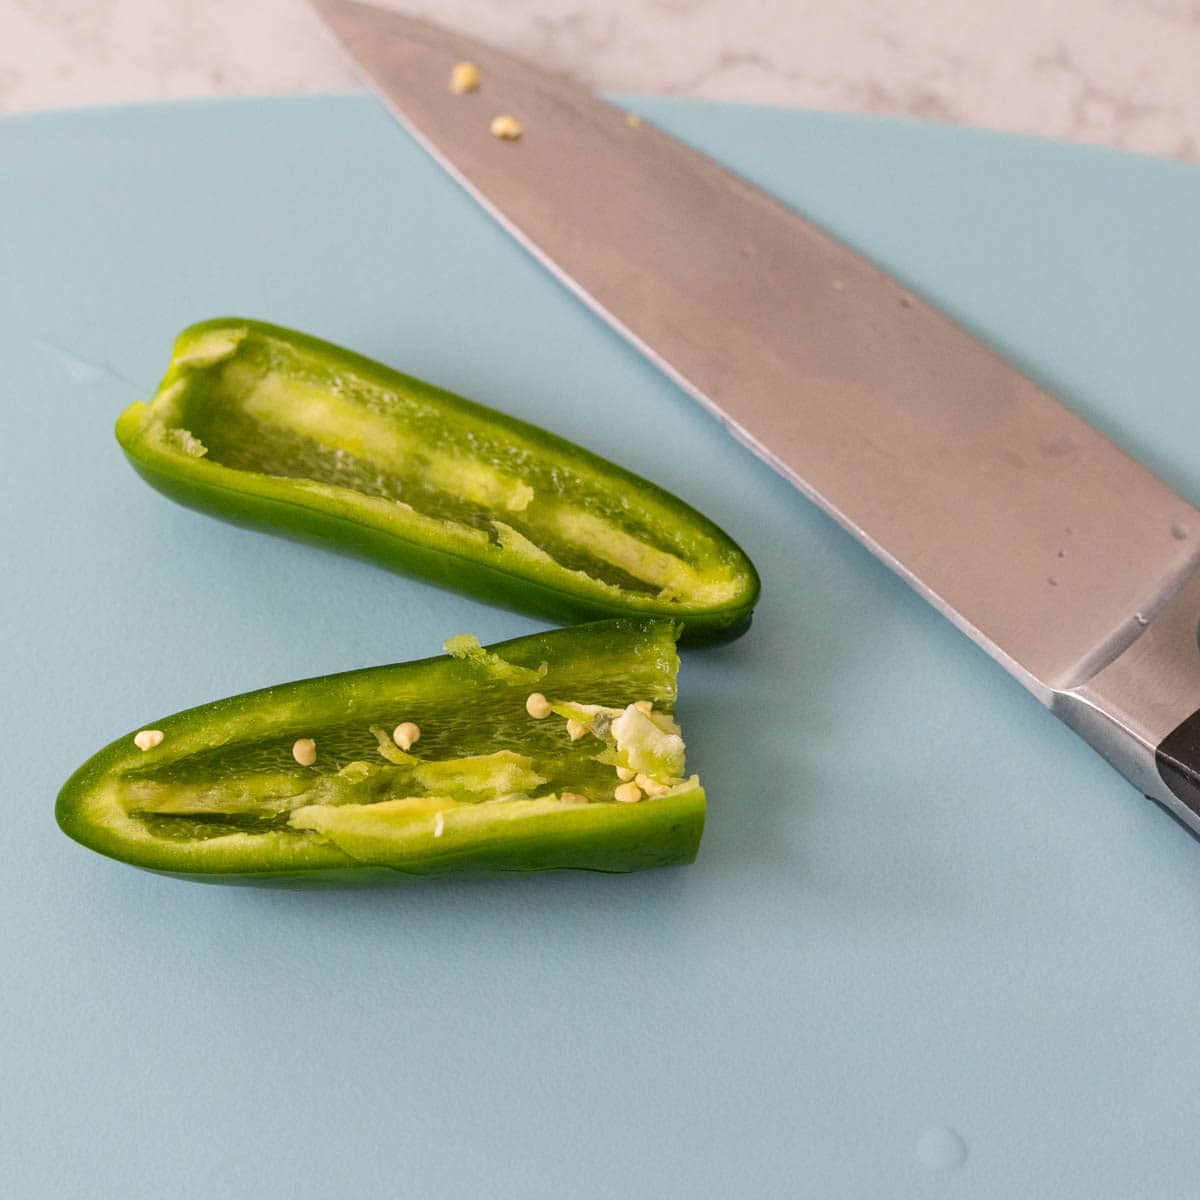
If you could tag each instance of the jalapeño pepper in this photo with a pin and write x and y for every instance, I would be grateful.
(552, 751)
(277, 430)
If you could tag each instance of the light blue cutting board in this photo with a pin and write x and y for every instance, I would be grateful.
(933, 946)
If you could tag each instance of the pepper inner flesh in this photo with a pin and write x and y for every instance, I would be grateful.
(270, 408)
(489, 754)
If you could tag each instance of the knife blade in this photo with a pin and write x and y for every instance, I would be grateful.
(1068, 561)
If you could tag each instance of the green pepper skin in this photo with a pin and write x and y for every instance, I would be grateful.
(254, 423)
(210, 755)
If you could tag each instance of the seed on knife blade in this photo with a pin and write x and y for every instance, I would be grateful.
(465, 78)
(506, 127)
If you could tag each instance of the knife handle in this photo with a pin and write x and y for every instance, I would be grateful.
(1142, 710)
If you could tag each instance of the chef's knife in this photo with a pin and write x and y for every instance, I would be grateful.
(1069, 562)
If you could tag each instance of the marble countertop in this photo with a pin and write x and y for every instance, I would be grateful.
(1123, 73)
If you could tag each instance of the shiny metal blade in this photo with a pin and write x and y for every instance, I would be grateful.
(1035, 534)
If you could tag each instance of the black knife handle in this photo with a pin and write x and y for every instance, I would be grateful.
(1178, 761)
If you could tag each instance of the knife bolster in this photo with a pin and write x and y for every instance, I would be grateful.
(1142, 710)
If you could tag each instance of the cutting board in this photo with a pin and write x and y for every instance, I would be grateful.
(932, 946)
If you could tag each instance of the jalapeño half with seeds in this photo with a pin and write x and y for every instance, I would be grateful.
(273, 429)
(558, 750)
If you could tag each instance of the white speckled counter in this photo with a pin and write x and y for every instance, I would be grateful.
(1119, 72)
